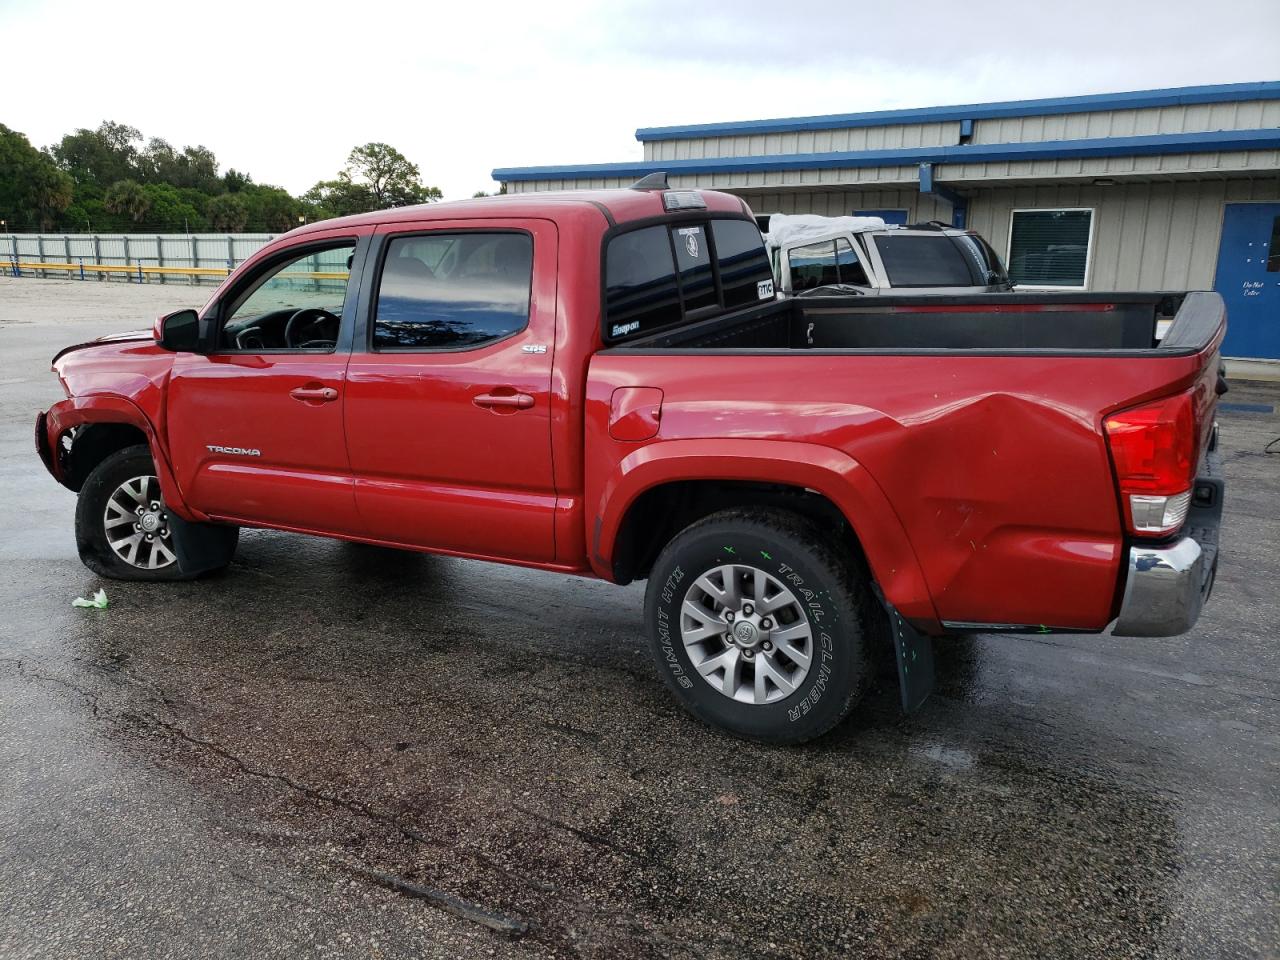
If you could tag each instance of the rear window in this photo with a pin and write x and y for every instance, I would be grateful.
(655, 277)
(743, 261)
(920, 260)
(693, 256)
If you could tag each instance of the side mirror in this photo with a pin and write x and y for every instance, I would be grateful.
(178, 331)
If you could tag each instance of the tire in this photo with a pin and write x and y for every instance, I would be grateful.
(832, 602)
(168, 549)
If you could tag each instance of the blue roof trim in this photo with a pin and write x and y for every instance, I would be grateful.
(1151, 145)
(1172, 96)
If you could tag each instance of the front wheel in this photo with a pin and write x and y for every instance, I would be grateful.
(761, 625)
(124, 529)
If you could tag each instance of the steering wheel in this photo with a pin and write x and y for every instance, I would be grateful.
(316, 318)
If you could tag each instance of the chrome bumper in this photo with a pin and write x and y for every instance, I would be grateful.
(1167, 586)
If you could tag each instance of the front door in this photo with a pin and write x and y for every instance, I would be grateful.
(255, 425)
(449, 389)
(1249, 279)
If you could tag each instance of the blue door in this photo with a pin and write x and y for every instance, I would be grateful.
(1249, 279)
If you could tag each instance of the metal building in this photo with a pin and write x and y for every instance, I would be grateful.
(1157, 189)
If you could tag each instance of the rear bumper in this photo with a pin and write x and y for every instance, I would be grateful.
(1167, 586)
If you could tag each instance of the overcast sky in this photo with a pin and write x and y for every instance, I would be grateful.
(284, 91)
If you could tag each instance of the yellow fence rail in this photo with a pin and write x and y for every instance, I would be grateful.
(133, 269)
(138, 270)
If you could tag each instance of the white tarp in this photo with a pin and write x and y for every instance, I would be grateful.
(788, 228)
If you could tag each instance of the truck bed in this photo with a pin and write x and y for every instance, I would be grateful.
(1050, 324)
(978, 418)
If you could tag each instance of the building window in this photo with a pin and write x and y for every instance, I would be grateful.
(898, 217)
(1050, 248)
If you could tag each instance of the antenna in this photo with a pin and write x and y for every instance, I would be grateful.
(654, 181)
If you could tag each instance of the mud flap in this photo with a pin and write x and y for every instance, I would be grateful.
(202, 546)
(914, 651)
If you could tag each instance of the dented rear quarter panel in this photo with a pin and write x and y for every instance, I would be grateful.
(994, 469)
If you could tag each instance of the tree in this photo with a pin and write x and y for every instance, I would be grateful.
(111, 178)
(270, 208)
(389, 176)
(127, 197)
(32, 190)
(234, 181)
(50, 191)
(500, 192)
(227, 212)
(169, 209)
(157, 161)
(339, 198)
(195, 167)
(103, 156)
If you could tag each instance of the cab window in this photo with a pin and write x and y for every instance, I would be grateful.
(451, 291)
(294, 305)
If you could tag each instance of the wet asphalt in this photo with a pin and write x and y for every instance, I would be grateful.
(332, 750)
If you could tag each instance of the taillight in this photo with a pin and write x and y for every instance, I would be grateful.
(1154, 449)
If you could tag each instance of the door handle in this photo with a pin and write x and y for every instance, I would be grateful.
(517, 401)
(321, 394)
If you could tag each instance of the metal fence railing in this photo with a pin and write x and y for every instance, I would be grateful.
(133, 257)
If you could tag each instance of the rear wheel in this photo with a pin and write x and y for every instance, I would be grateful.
(761, 625)
(124, 529)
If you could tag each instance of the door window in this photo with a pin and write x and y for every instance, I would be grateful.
(295, 305)
(813, 265)
(453, 291)
(847, 265)
(825, 263)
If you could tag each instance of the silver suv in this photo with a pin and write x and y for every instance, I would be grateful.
(866, 255)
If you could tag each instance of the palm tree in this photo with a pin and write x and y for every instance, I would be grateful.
(129, 198)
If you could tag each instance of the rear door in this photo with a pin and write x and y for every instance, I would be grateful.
(448, 390)
(255, 425)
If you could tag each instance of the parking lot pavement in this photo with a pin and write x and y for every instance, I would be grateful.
(274, 761)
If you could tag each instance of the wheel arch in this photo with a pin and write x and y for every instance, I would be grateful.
(84, 431)
(661, 488)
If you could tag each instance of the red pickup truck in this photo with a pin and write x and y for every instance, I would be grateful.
(604, 384)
